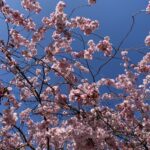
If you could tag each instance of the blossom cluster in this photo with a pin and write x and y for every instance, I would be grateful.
(147, 40)
(148, 7)
(14, 17)
(86, 94)
(31, 5)
(105, 46)
(64, 68)
(86, 25)
(144, 64)
(18, 39)
(91, 2)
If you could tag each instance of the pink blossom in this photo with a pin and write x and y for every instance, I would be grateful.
(147, 40)
(143, 65)
(60, 6)
(91, 2)
(38, 71)
(9, 117)
(81, 67)
(85, 24)
(148, 7)
(105, 46)
(16, 18)
(18, 39)
(31, 5)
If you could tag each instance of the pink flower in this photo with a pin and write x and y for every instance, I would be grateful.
(105, 46)
(38, 71)
(143, 65)
(81, 67)
(148, 7)
(60, 6)
(9, 116)
(91, 2)
(31, 5)
(18, 39)
(147, 40)
(85, 24)
(18, 19)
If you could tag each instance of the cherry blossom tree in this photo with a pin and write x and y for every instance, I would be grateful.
(53, 98)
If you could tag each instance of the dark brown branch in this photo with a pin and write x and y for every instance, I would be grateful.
(24, 137)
